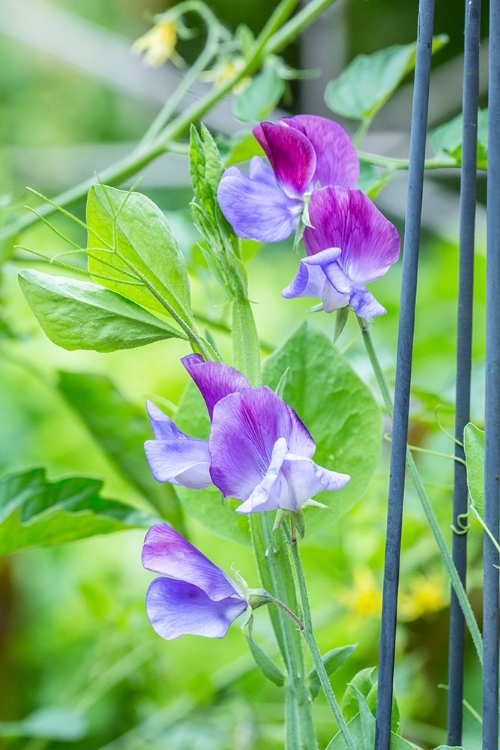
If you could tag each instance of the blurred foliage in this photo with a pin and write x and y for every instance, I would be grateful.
(73, 630)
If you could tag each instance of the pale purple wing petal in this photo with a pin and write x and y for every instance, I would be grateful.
(349, 220)
(183, 461)
(163, 427)
(257, 209)
(268, 493)
(291, 155)
(178, 608)
(259, 170)
(305, 479)
(312, 281)
(214, 379)
(245, 428)
(337, 162)
(365, 305)
(167, 552)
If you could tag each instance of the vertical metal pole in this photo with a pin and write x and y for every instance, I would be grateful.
(492, 391)
(403, 374)
(464, 353)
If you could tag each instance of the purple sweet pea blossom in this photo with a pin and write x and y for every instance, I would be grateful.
(349, 244)
(195, 597)
(258, 452)
(305, 152)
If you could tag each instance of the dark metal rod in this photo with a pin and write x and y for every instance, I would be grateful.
(492, 395)
(403, 374)
(456, 648)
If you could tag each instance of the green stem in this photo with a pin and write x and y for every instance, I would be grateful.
(362, 130)
(313, 646)
(424, 500)
(395, 164)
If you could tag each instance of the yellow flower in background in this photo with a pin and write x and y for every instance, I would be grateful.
(223, 71)
(158, 44)
(365, 596)
(426, 595)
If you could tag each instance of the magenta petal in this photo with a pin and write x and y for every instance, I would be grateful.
(178, 608)
(291, 155)
(349, 220)
(214, 379)
(245, 428)
(257, 208)
(167, 552)
(337, 162)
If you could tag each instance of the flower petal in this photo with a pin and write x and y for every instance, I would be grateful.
(214, 379)
(305, 479)
(257, 208)
(167, 552)
(183, 461)
(311, 281)
(365, 305)
(337, 162)
(291, 155)
(178, 608)
(268, 492)
(245, 428)
(349, 220)
(163, 427)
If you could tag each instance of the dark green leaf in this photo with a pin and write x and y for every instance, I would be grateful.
(37, 513)
(132, 250)
(121, 429)
(265, 663)
(338, 410)
(446, 140)
(370, 80)
(474, 455)
(332, 660)
(80, 315)
(261, 96)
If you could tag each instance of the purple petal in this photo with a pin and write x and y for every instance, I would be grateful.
(305, 479)
(178, 608)
(291, 155)
(167, 552)
(183, 461)
(311, 281)
(365, 305)
(257, 208)
(348, 219)
(337, 162)
(163, 427)
(267, 493)
(214, 379)
(245, 428)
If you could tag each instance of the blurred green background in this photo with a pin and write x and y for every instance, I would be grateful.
(73, 629)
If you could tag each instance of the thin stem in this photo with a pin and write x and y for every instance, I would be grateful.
(362, 130)
(311, 642)
(426, 505)
(395, 164)
(288, 611)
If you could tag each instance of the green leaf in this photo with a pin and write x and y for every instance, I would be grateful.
(446, 140)
(37, 513)
(362, 682)
(133, 251)
(258, 99)
(332, 660)
(371, 181)
(370, 80)
(207, 506)
(246, 347)
(474, 456)
(121, 429)
(80, 315)
(265, 663)
(242, 146)
(51, 723)
(337, 408)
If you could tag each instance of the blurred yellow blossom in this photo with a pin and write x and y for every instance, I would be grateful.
(223, 71)
(426, 595)
(365, 596)
(158, 44)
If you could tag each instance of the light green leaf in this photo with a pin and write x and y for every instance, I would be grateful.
(474, 456)
(265, 663)
(245, 341)
(371, 181)
(337, 408)
(80, 315)
(446, 140)
(261, 96)
(332, 660)
(133, 251)
(361, 683)
(370, 80)
(121, 429)
(242, 146)
(37, 513)
(58, 724)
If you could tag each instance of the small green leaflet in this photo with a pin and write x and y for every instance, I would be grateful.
(370, 80)
(81, 315)
(261, 96)
(37, 513)
(446, 140)
(474, 455)
(332, 660)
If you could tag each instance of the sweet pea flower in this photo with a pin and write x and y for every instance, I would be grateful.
(305, 152)
(194, 596)
(258, 452)
(349, 244)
